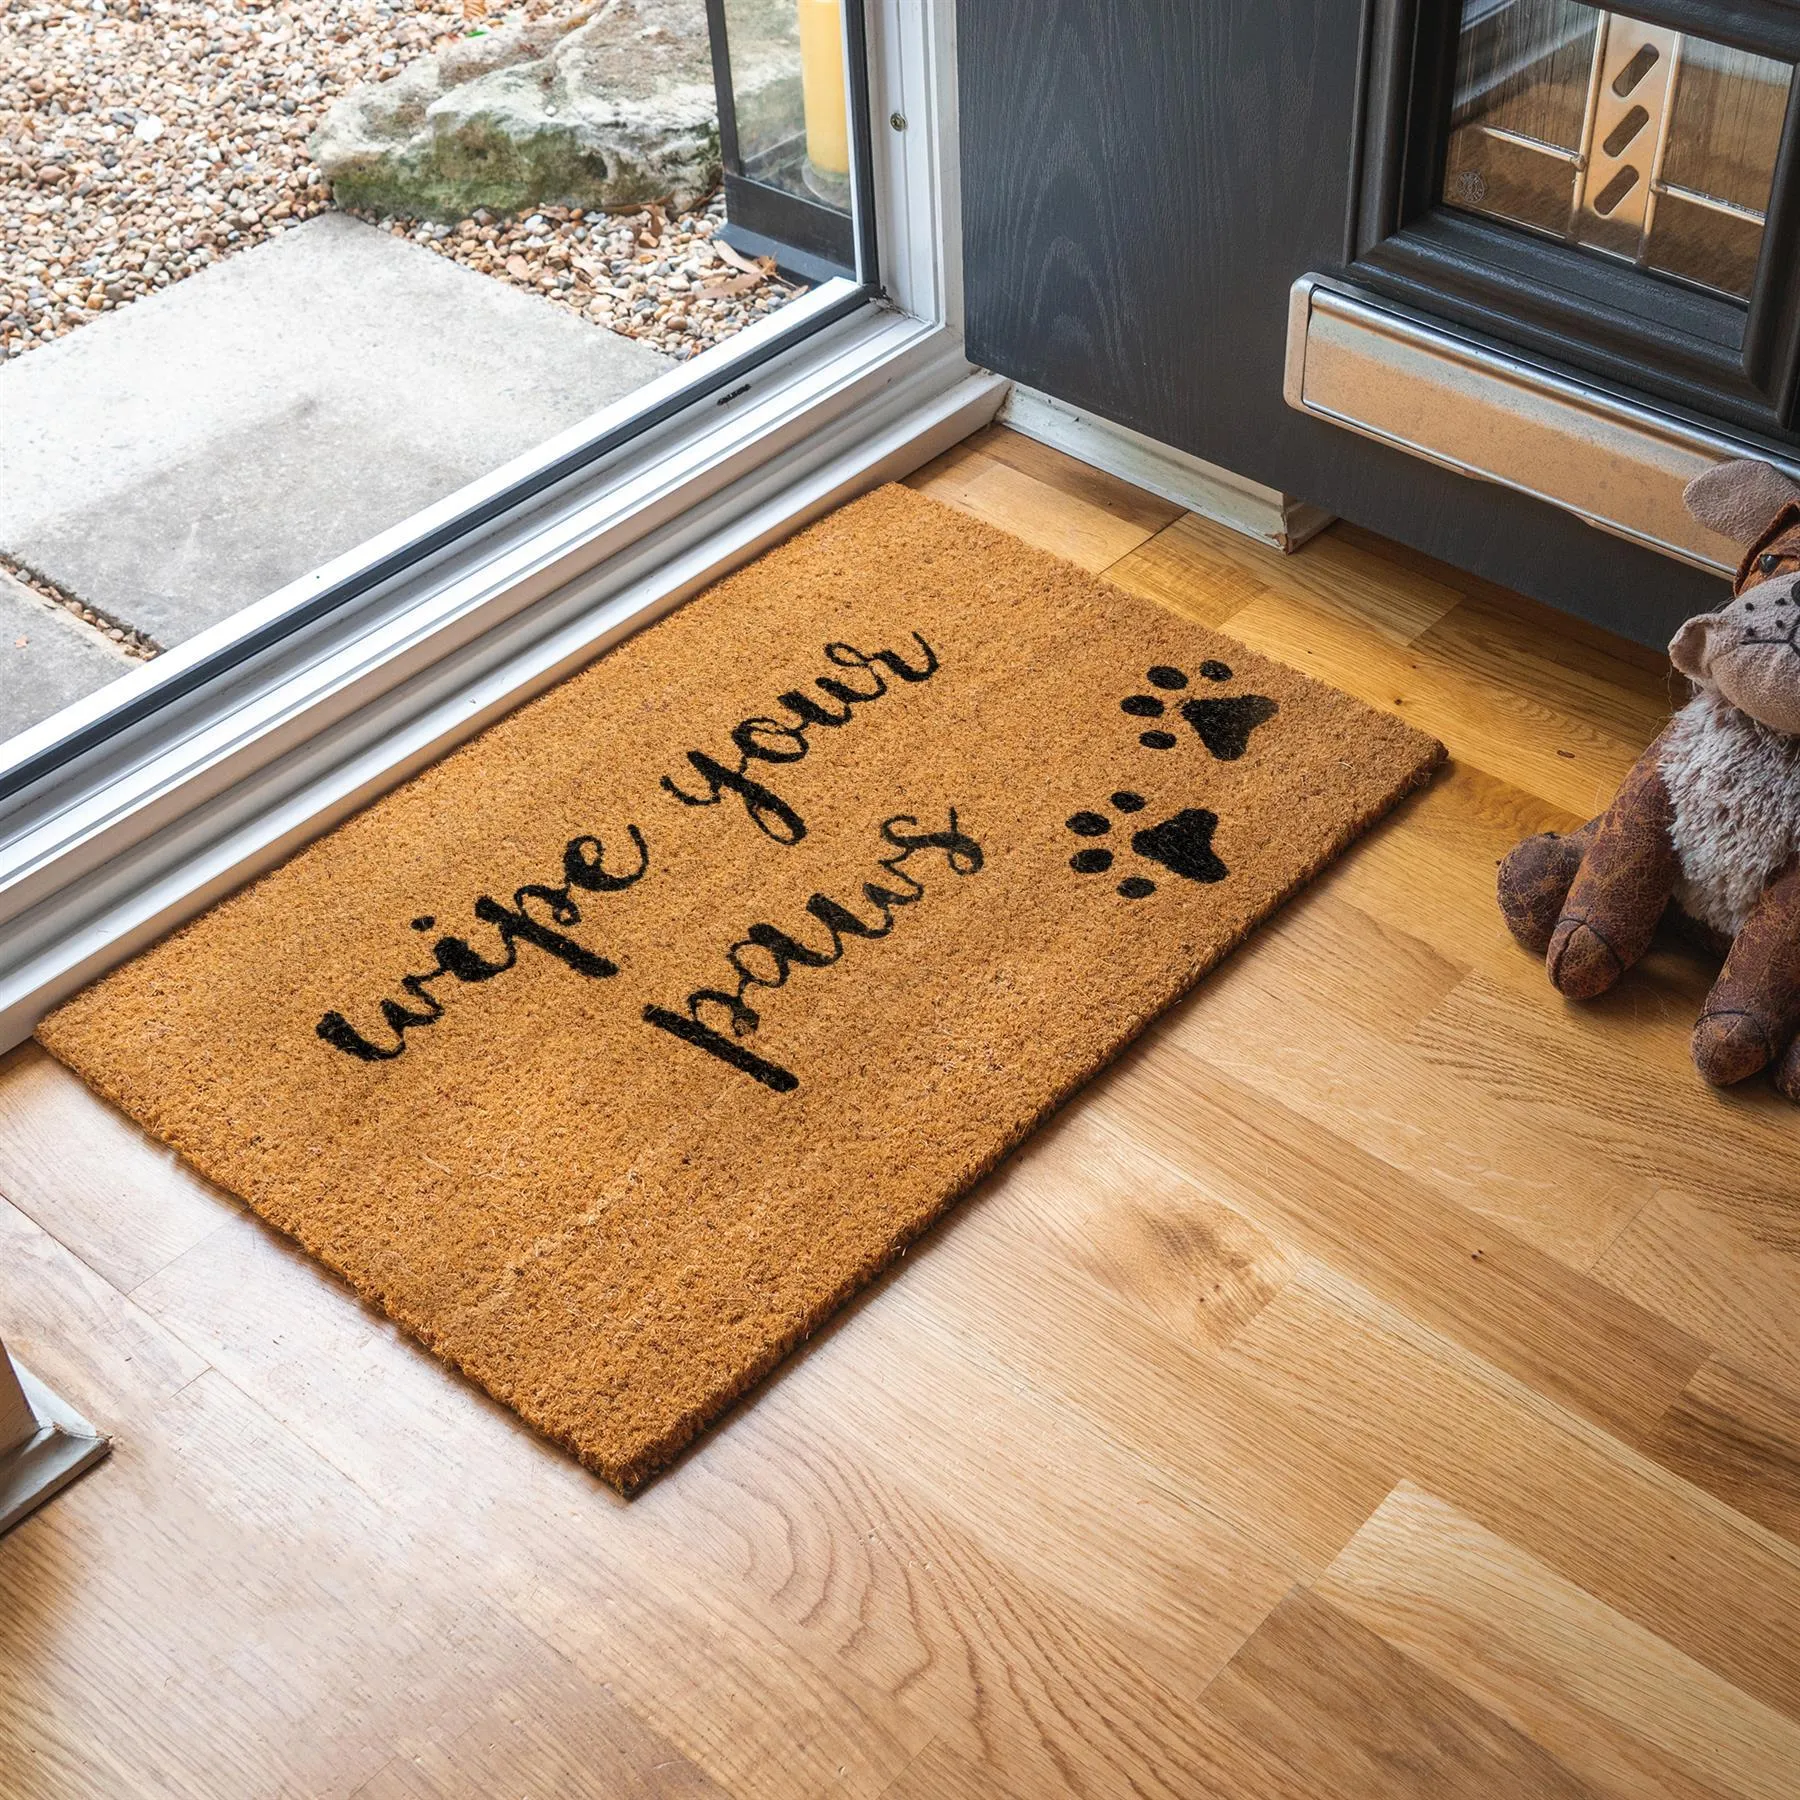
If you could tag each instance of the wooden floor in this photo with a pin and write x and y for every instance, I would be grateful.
(1384, 1382)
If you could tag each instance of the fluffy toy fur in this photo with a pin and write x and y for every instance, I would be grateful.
(1707, 824)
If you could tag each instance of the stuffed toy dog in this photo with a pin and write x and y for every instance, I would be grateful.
(1707, 824)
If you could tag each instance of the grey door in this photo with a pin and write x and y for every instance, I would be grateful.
(1144, 181)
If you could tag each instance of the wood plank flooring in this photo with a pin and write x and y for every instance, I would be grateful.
(1384, 1382)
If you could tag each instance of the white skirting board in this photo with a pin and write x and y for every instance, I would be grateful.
(1202, 487)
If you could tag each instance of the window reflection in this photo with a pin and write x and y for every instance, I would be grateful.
(1627, 139)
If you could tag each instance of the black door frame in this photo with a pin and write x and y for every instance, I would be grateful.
(1695, 350)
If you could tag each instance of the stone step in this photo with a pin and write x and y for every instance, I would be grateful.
(48, 657)
(192, 452)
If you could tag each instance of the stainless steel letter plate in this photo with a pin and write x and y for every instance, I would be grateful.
(1616, 464)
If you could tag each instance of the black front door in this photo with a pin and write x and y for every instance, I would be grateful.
(1607, 197)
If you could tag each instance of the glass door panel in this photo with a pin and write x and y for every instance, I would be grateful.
(275, 278)
(1626, 139)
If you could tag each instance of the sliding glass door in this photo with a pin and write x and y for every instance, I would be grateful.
(294, 297)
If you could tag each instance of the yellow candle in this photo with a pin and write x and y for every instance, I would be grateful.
(822, 86)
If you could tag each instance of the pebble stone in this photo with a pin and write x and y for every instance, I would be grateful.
(134, 643)
(142, 140)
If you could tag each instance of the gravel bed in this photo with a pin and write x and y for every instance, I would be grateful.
(141, 140)
(667, 281)
(133, 642)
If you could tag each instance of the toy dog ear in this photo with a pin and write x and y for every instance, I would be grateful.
(1737, 499)
(1690, 650)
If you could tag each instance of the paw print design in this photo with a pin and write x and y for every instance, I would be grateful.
(1182, 844)
(1223, 725)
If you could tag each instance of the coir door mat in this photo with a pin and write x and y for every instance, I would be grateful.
(618, 1049)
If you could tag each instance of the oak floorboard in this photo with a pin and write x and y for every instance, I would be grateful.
(838, 1540)
(1613, 661)
(1334, 576)
(125, 1204)
(1069, 525)
(1616, 1705)
(1026, 1692)
(1501, 648)
(1187, 1415)
(75, 1331)
(1317, 1013)
(1218, 1763)
(539, 1737)
(1613, 1079)
(1636, 1536)
(1436, 878)
(1145, 1544)
(1331, 1697)
(1737, 1436)
(1380, 1382)
(1617, 1071)
(1180, 568)
(1699, 1265)
(594, 1578)
(181, 1620)
(1570, 759)
(1073, 480)
(1596, 1352)
(1089, 1203)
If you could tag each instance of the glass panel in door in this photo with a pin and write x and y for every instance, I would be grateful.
(1627, 139)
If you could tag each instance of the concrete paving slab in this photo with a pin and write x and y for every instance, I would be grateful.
(48, 658)
(190, 453)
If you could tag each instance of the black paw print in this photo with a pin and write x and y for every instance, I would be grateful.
(1223, 726)
(1181, 844)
